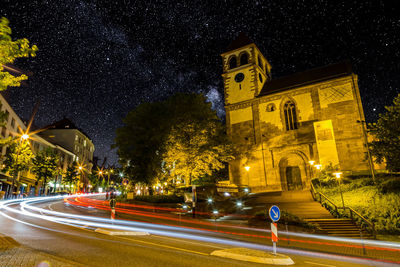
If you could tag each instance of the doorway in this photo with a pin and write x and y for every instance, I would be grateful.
(293, 178)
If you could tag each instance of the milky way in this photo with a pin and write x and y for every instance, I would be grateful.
(98, 60)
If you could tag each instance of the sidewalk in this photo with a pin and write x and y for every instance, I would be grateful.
(13, 254)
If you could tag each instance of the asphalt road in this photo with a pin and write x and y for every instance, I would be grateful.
(82, 245)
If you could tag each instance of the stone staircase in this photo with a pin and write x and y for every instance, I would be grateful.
(340, 228)
(301, 204)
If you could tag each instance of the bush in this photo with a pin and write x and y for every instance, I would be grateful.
(288, 218)
(389, 186)
(160, 199)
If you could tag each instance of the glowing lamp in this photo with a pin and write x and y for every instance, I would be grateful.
(337, 174)
(247, 168)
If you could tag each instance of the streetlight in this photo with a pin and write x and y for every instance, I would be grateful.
(108, 172)
(311, 168)
(24, 137)
(338, 174)
(247, 168)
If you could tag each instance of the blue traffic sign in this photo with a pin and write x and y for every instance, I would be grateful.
(274, 213)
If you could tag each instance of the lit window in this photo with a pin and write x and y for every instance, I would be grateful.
(289, 110)
(76, 137)
(84, 143)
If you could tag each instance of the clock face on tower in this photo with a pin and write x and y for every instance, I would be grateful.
(239, 77)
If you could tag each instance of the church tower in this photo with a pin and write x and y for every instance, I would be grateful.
(245, 70)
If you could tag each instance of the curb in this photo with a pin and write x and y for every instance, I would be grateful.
(117, 232)
(7, 242)
(257, 256)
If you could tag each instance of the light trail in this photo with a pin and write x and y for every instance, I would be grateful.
(162, 230)
(368, 244)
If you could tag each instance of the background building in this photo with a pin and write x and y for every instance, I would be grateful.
(27, 182)
(65, 134)
(281, 125)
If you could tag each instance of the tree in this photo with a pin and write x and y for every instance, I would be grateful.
(45, 166)
(386, 131)
(139, 140)
(196, 149)
(9, 51)
(18, 158)
(94, 179)
(71, 175)
(149, 131)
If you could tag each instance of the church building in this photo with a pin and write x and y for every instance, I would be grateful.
(284, 127)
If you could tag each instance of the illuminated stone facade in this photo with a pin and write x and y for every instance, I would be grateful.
(280, 125)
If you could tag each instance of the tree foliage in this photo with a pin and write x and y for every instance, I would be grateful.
(9, 51)
(146, 143)
(196, 148)
(45, 165)
(386, 132)
(71, 175)
(18, 157)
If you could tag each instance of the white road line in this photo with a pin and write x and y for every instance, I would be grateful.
(319, 264)
(194, 243)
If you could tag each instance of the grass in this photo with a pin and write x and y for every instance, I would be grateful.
(378, 202)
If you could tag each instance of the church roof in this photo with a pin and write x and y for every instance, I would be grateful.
(240, 41)
(307, 77)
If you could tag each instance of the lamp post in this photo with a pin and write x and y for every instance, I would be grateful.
(247, 168)
(311, 166)
(371, 164)
(108, 172)
(23, 137)
(80, 168)
(338, 174)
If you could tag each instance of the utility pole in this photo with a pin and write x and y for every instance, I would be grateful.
(370, 162)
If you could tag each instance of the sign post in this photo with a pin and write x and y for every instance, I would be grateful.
(113, 203)
(194, 200)
(275, 215)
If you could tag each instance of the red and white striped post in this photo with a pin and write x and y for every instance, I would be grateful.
(112, 214)
(274, 236)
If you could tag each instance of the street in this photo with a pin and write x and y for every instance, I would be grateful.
(73, 238)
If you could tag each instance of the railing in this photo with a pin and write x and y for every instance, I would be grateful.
(363, 219)
(320, 197)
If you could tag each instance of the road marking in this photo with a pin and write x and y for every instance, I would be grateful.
(164, 246)
(194, 243)
(319, 264)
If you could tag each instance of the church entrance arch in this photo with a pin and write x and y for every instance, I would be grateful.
(293, 172)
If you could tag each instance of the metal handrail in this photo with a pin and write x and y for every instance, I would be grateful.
(371, 224)
(314, 194)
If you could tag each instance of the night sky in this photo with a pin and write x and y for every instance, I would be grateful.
(98, 60)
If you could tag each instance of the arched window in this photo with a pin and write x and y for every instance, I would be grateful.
(260, 63)
(244, 59)
(232, 63)
(289, 110)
